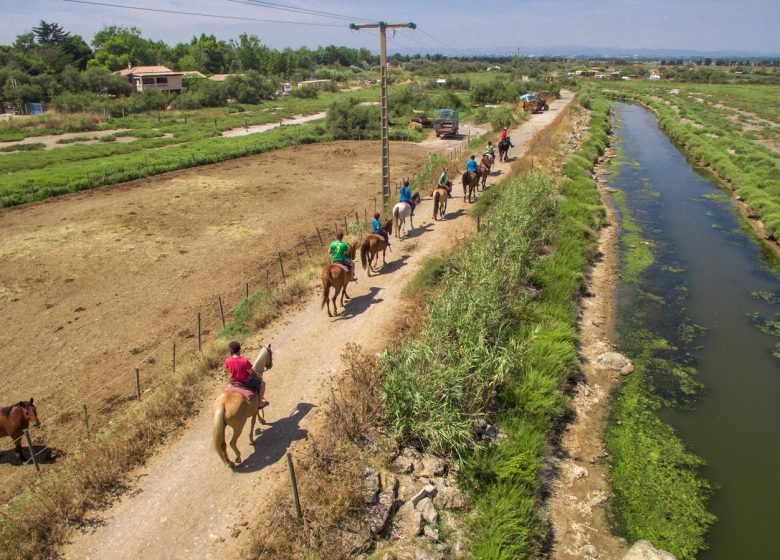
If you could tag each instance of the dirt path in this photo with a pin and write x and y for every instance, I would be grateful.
(184, 503)
(581, 491)
(257, 128)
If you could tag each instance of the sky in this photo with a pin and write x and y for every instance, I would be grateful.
(448, 26)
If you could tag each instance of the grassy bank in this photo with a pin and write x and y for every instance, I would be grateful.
(498, 346)
(722, 137)
(648, 459)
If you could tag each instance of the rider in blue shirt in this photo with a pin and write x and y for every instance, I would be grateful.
(376, 228)
(405, 195)
(471, 165)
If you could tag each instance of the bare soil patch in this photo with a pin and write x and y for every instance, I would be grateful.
(92, 282)
(51, 140)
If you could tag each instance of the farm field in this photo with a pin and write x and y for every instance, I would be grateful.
(734, 130)
(94, 280)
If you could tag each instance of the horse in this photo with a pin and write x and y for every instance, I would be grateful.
(15, 419)
(440, 196)
(232, 409)
(334, 275)
(372, 244)
(484, 171)
(401, 211)
(503, 149)
(470, 180)
(490, 159)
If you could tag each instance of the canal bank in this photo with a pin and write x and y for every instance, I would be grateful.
(698, 312)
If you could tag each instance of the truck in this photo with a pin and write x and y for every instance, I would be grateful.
(420, 120)
(445, 122)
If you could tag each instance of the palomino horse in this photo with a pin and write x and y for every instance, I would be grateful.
(334, 275)
(470, 181)
(401, 211)
(372, 245)
(440, 196)
(232, 409)
(484, 171)
(15, 419)
(503, 149)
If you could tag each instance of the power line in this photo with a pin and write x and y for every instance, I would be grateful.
(296, 9)
(200, 14)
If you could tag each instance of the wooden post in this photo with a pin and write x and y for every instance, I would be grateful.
(293, 484)
(268, 277)
(357, 217)
(281, 267)
(199, 337)
(306, 246)
(365, 215)
(138, 383)
(173, 359)
(298, 257)
(246, 290)
(319, 236)
(221, 311)
(86, 421)
(374, 204)
(346, 227)
(38, 468)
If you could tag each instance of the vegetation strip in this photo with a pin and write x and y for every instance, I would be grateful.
(499, 344)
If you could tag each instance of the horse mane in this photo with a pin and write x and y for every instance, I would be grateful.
(6, 410)
(261, 360)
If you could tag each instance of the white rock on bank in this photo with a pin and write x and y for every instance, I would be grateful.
(615, 361)
(643, 550)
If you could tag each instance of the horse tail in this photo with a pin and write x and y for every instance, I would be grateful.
(397, 219)
(435, 203)
(218, 434)
(364, 248)
(327, 281)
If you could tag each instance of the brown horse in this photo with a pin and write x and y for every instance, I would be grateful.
(372, 245)
(15, 419)
(334, 275)
(484, 171)
(232, 409)
(440, 196)
(470, 181)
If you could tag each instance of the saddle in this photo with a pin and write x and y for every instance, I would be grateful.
(243, 390)
(344, 267)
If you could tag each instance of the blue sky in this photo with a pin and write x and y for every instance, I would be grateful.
(493, 26)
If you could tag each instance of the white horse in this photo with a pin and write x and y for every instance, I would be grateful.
(401, 211)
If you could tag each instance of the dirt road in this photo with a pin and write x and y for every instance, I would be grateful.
(185, 503)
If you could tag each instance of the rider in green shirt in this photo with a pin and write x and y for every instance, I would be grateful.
(443, 182)
(338, 252)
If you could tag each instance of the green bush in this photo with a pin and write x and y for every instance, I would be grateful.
(306, 92)
(348, 119)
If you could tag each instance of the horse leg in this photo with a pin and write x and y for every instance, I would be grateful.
(17, 437)
(236, 434)
(252, 426)
(384, 262)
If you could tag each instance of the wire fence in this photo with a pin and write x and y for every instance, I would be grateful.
(156, 364)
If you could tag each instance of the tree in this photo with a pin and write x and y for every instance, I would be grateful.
(49, 34)
(117, 47)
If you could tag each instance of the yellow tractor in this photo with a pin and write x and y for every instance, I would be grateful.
(420, 120)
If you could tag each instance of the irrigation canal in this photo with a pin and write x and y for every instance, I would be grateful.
(714, 292)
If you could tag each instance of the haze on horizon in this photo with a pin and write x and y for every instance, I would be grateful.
(450, 27)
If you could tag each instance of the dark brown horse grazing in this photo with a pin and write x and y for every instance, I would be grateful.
(372, 245)
(15, 419)
(335, 276)
(470, 181)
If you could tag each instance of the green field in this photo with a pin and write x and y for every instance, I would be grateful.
(733, 129)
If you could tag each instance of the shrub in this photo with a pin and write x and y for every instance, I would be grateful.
(306, 92)
(348, 119)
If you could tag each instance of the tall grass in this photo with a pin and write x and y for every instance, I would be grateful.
(498, 345)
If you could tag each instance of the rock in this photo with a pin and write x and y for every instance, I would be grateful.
(403, 464)
(386, 503)
(432, 467)
(428, 511)
(235, 532)
(449, 498)
(408, 521)
(616, 362)
(372, 486)
(578, 472)
(389, 556)
(431, 533)
(427, 491)
(643, 550)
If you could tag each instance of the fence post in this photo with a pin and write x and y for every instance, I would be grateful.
(246, 290)
(86, 420)
(221, 311)
(138, 383)
(306, 246)
(294, 484)
(357, 217)
(365, 215)
(38, 468)
(268, 277)
(319, 236)
(173, 360)
(281, 267)
(374, 204)
(298, 258)
(199, 338)
(346, 227)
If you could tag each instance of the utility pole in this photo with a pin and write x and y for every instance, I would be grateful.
(382, 26)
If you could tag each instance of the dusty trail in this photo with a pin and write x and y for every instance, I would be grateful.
(184, 503)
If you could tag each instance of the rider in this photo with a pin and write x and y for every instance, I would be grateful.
(405, 195)
(241, 372)
(471, 166)
(376, 229)
(489, 150)
(503, 134)
(338, 252)
(443, 181)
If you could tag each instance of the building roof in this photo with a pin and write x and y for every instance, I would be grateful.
(219, 77)
(192, 74)
(143, 70)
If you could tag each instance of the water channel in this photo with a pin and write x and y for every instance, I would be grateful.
(712, 278)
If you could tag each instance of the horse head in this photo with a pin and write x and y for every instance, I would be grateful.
(30, 413)
(388, 227)
(264, 360)
(352, 251)
(416, 197)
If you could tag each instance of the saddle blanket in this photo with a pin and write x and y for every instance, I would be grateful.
(344, 267)
(243, 391)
